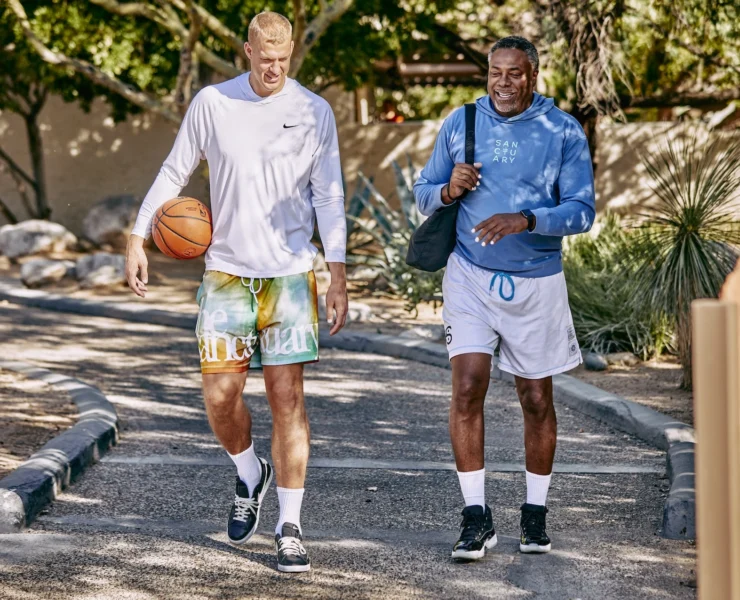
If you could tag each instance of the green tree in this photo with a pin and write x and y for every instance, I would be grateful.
(606, 57)
(28, 80)
(179, 45)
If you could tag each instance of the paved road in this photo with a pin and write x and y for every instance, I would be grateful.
(148, 522)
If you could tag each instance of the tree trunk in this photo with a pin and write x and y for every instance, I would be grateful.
(36, 148)
(589, 119)
(684, 348)
(7, 213)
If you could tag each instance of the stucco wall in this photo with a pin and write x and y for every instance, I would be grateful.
(88, 157)
(622, 183)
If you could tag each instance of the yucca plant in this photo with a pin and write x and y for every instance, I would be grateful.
(688, 242)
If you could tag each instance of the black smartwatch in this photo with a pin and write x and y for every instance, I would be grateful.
(531, 219)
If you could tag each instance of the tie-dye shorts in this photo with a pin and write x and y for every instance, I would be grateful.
(245, 322)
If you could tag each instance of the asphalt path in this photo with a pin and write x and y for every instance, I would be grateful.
(382, 503)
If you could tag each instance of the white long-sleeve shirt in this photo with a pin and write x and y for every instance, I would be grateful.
(273, 162)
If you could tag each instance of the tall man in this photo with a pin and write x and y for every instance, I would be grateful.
(273, 158)
(532, 184)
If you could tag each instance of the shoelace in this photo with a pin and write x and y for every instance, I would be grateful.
(505, 277)
(291, 546)
(242, 508)
(470, 527)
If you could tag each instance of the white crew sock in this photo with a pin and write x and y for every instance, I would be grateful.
(537, 487)
(248, 467)
(473, 486)
(290, 508)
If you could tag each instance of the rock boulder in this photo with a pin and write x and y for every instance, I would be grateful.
(33, 237)
(110, 221)
(595, 362)
(101, 269)
(41, 271)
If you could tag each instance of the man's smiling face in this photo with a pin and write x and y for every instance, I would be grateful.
(511, 81)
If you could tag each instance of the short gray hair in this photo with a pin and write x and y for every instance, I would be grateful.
(518, 43)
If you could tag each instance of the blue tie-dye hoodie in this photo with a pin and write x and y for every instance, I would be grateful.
(538, 160)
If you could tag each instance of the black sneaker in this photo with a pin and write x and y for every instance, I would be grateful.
(292, 556)
(245, 512)
(534, 537)
(476, 533)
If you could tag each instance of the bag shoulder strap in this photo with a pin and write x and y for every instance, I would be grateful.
(470, 133)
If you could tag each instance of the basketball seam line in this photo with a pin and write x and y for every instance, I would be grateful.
(164, 212)
(164, 241)
(186, 217)
(181, 235)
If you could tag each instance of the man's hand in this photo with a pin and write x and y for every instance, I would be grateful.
(464, 177)
(492, 230)
(136, 264)
(337, 303)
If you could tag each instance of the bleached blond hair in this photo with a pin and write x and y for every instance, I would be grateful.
(270, 27)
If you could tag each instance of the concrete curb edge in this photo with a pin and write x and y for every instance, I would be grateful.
(37, 481)
(657, 429)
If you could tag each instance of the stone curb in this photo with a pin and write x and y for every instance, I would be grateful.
(659, 430)
(38, 480)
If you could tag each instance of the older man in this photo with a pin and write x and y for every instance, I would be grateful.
(531, 184)
(273, 154)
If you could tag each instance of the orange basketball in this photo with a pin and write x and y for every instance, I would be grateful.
(182, 228)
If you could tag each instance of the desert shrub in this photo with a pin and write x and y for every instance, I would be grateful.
(601, 276)
(378, 236)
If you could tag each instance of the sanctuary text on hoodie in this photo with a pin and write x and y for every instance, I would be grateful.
(537, 160)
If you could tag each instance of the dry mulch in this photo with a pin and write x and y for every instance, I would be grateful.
(654, 384)
(29, 417)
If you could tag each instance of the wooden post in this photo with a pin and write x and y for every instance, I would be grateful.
(716, 358)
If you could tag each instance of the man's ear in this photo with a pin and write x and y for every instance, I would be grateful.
(248, 50)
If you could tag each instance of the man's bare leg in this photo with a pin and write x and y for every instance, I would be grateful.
(290, 448)
(540, 423)
(540, 438)
(471, 374)
(290, 431)
(227, 413)
(232, 424)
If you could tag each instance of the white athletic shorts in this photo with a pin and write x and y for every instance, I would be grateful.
(528, 318)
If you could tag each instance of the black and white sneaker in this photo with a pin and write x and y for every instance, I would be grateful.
(292, 556)
(476, 533)
(245, 512)
(534, 537)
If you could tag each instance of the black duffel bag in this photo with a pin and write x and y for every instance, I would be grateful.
(433, 242)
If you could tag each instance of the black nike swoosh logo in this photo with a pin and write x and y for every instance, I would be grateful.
(288, 126)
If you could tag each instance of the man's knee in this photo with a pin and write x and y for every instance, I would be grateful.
(222, 391)
(287, 403)
(536, 400)
(469, 392)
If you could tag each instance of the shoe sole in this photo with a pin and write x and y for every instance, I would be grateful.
(534, 548)
(246, 538)
(475, 554)
(294, 568)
